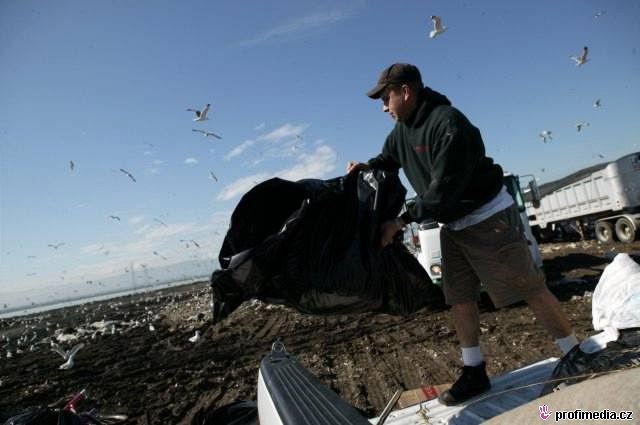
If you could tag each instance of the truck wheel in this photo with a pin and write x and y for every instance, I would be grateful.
(625, 230)
(604, 232)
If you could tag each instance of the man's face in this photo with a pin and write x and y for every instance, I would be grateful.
(395, 102)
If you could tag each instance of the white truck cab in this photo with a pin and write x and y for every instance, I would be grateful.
(428, 250)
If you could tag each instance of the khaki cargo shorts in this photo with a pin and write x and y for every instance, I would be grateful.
(494, 252)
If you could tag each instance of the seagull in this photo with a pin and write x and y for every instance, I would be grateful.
(546, 134)
(67, 355)
(114, 217)
(580, 125)
(580, 60)
(437, 26)
(56, 246)
(160, 221)
(196, 338)
(200, 115)
(213, 176)
(161, 256)
(599, 14)
(192, 241)
(128, 174)
(207, 133)
(71, 165)
(596, 104)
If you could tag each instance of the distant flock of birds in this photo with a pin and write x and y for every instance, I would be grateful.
(201, 115)
(579, 60)
(438, 29)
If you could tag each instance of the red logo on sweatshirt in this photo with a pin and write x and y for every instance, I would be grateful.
(421, 148)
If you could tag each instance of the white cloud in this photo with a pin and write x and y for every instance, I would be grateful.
(297, 26)
(312, 165)
(241, 186)
(286, 131)
(190, 161)
(239, 149)
(157, 162)
(136, 219)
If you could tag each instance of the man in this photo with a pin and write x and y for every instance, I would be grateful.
(443, 157)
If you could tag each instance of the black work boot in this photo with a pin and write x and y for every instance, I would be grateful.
(474, 381)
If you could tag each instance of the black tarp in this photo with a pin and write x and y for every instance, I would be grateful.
(577, 365)
(315, 245)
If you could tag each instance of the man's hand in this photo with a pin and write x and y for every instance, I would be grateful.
(389, 230)
(353, 166)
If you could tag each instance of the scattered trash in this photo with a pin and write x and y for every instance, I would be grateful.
(67, 415)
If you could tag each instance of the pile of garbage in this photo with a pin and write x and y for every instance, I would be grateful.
(69, 414)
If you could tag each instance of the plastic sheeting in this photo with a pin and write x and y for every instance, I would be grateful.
(577, 365)
(616, 299)
(325, 257)
(616, 311)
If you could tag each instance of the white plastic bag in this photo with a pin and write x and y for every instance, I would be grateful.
(616, 299)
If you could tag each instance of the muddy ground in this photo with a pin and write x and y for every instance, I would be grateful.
(158, 376)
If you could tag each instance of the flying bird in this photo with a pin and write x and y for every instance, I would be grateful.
(582, 59)
(114, 217)
(437, 26)
(599, 14)
(160, 221)
(580, 125)
(213, 176)
(72, 165)
(596, 104)
(161, 256)
(200, 115)
(56, 246)
(67, 355)
(546, 134)
(207, 133)
(128, 174)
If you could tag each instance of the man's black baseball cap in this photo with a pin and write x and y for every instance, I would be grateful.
(396, 74)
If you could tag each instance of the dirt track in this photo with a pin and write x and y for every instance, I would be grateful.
(160, 377)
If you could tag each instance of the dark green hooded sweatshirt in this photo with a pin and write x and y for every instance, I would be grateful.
(443, 156)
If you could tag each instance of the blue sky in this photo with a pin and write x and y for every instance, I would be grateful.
(107, 84)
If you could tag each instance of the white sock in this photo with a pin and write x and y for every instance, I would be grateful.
(472, 356)
(567, 343)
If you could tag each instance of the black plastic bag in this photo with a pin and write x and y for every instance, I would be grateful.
(326, 257)
(577, 365)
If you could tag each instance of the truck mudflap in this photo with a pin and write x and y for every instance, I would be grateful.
(289, 394)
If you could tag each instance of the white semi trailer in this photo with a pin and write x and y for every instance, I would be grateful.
(602, 200)
(427, 246)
